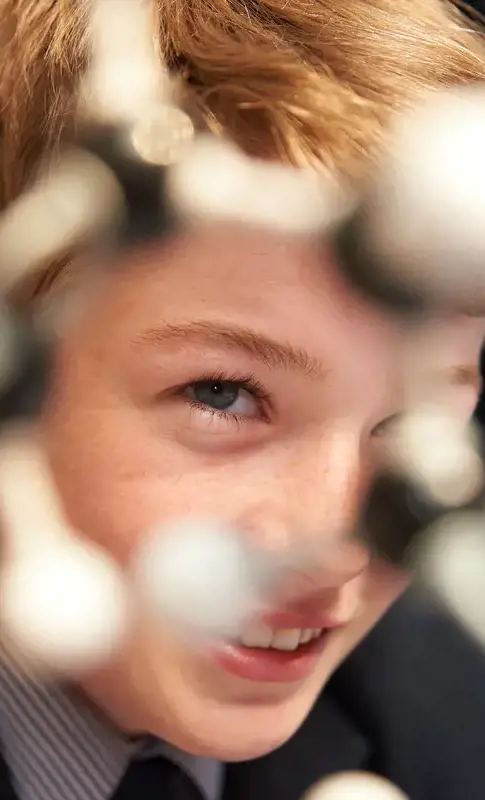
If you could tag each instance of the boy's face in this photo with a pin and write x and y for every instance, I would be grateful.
(236, 375)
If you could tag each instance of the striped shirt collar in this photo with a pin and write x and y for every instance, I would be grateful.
(59, 749)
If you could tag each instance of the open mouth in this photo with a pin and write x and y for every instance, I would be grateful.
(272, 654)
(259, 635)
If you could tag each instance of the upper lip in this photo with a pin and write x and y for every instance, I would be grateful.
(286, 619)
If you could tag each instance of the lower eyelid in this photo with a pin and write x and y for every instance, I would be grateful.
(206, 420)
(205, 414)
(203, 408)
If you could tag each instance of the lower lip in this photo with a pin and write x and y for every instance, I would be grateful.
(270, 666)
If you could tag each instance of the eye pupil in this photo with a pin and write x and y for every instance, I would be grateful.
(217, 394)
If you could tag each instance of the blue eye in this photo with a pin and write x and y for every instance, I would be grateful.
(219, 395)
(236, 399)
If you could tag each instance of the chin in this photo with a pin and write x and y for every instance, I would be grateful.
(232, 730)
(234, 735)
(200, 711)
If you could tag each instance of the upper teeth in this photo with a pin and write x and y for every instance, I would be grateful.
(256, 634)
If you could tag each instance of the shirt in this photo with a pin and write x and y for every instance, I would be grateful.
(57, 748)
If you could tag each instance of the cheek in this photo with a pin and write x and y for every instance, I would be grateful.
(119, 471)
(117, 476)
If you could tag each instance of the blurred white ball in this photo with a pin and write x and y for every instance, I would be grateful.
(125, 76)
(162, 135)
(451, 559)
(199, 574)
(64, 607)
(76, 198)
(217, 181)
(437, 450)
(426, 210)
(354, 786)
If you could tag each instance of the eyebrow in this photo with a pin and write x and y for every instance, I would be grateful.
(277, 355)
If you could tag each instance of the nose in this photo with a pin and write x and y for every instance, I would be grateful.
(327, 481)
(321, 581)
(311, 514)
(322, 481)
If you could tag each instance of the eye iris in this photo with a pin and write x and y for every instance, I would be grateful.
(217, 394)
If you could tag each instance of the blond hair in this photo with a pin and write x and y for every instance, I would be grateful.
(305, 81)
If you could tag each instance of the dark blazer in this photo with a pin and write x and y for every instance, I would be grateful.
(409, 703)
(478, 5)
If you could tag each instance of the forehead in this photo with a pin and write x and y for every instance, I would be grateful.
(285, 291)
(287, 285)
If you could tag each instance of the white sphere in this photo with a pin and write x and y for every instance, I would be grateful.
(426, 212)
(437, 450)
(216, 181)
(125, 76)
(162, 135)
(451, 559)
(354, 786)
(64, 607)
(199, 574)
(76, 198)
(208, 180)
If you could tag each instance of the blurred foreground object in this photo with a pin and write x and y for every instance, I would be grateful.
(354, 786)
(138, 170)
(417, 237)
(439, 452)
(450, 557)
(63, 601)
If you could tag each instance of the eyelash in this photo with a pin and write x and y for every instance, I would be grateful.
(246, 382)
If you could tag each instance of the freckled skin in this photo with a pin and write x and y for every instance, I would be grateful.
(128, 449)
